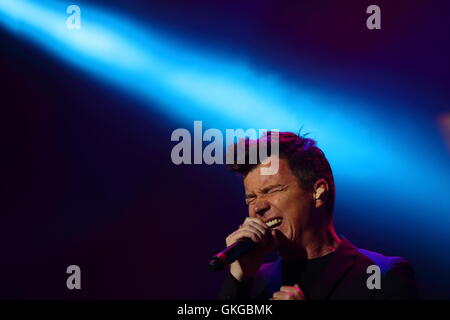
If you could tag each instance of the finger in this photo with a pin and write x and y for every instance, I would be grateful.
(255, 229)
(280, 295)
(257, 221)
(258, 227)
(265, 233)
(289, 289)
(295, 291)
(297, 287)
(243, 233)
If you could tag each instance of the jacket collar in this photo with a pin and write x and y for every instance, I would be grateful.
(340, 262)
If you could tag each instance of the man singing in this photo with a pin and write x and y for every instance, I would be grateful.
(291, 214)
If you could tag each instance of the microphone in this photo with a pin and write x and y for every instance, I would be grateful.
(231, 254)
(237, 250)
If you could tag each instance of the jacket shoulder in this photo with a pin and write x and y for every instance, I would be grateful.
(386, 263)
(397, 274)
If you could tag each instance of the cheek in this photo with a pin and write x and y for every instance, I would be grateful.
(293, 207)
(285, 207)
(281, 204)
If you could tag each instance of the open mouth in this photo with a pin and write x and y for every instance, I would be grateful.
(275, 222)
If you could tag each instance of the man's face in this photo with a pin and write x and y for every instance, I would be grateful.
(279, 196)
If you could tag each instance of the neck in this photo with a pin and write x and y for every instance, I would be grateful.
(314, 244)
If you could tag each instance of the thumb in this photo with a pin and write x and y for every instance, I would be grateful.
(298, 288)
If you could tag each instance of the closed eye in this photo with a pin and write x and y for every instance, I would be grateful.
(249, 198)
(274, 188)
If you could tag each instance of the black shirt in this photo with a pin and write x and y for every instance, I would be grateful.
(305, 273)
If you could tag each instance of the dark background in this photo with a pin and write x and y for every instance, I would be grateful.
(87, 177)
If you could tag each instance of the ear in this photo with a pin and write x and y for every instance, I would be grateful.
(320, 192)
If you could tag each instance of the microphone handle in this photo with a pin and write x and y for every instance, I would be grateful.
(231, 254)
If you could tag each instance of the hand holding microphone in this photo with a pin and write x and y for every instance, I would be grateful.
(251, 243)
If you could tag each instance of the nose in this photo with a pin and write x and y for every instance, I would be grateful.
(261, 207)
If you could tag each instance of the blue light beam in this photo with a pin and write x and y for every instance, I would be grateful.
(191, 84)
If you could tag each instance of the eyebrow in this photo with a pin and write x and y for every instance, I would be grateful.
(272, 186)
(264, 190)
(249, 195)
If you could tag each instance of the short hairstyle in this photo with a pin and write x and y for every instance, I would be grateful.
(306, 161)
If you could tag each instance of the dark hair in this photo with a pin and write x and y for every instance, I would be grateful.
(306, 161)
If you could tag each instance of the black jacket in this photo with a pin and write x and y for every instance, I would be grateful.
(344, 277)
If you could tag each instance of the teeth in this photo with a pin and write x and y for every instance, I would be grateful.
(273, 222)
